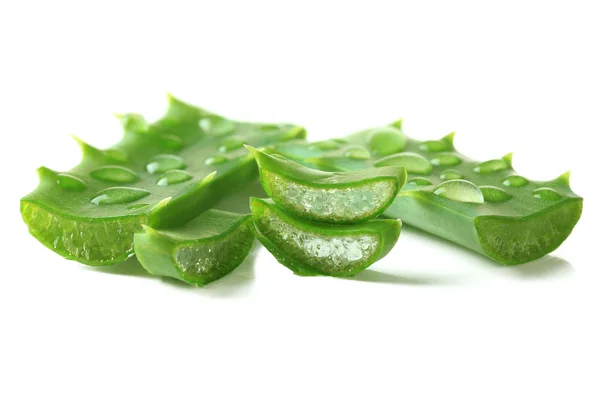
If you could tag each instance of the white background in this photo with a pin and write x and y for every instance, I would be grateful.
(431, 320)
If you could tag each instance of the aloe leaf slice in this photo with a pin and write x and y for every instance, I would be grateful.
(162, 175)
(313, 248)
(484, 206)
(332, 197)
(199, 252)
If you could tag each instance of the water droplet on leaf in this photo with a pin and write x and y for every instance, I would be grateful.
(114, 174)
(547, 194)
(435, 146)
(164, 163)
(493, 194)
(230, 144)
(413, 162)
(447, 160)
(174, 176)
(70, 182)
(386, 140)
(326, 145)
(515, 181)
(420, 181)
(216, 126)
(460, 190)
(491, 166)
(171, 142)
(450, 174)
(358, 153)
(213, 160)
(119, 195)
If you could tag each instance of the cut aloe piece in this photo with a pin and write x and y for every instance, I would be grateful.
(333, 197)
(484, 206)
(158, 175)
(313, 248)
(199, 252)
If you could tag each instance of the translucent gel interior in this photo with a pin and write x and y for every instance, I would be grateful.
(334, 204)
(98, 242)
(324, 253)
(216, 257)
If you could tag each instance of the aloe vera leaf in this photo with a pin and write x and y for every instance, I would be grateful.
(199, 252)
(161, 175)
(484, 206)
(332, 197)
(314, 248)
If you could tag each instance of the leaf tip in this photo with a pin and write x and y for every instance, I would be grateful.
(208, 178)
(398, 123)
(565, 179)
(46, 173)
(449, 137)
(508, 158)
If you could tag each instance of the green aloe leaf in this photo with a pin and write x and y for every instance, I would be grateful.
(332, 197)
(484, 206)
(199, 252)
(161, 175)
(313, 248)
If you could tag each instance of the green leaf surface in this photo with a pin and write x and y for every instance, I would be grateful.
(162, 175)
(484, 206)
(199, 252)
(331, 197)
(313, 248)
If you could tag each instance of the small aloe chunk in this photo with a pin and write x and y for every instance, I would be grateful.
(333, 197)
(484, 206)
(162, 175)
(312, 248)
(199, 252)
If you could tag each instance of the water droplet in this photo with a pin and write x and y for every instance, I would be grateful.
(114, 174)
(413, 162)
(387, 140)
(446, 160)
(460, 190)
(216, 126)
(213, 160)
(164, 163)
(420, 181)
(494, 194)
(491, 166)
(358, 153)
(547, 194)
(174, 176)
(515, 181)
(70, 182)
(269, 127)
(230, 144)
(435, 146)
(116, 155)
(136, 206)
(326, 145)
(171, 142)
(450, 174)
(119, 195)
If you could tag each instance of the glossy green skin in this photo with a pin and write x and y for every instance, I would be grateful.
(57, 214)
(156, 248)
(387, 230)
(514, 231)
(316, 179)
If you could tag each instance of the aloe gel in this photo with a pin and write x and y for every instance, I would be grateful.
(332, 197)
(199, 252)
(484, 206)
(312, 248)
